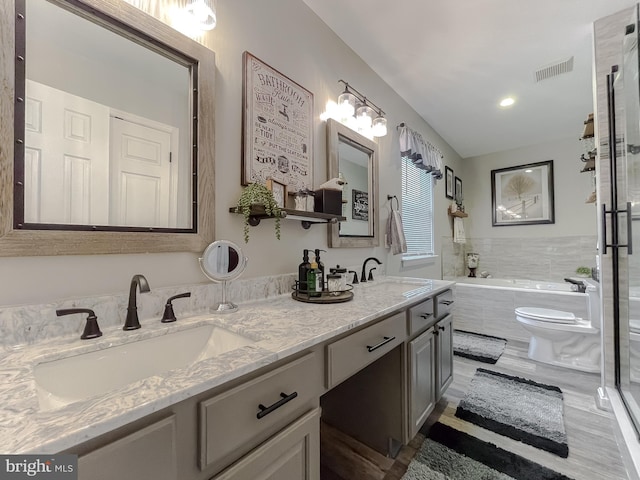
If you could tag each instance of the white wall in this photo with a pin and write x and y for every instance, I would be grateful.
(572, 215)
(287, 35)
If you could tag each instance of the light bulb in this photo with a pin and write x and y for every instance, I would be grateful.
(203, 14)
(364, 115)
(379, 126)
(347, 104)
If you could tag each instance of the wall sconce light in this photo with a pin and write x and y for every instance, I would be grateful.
(367, 119)
(203, 14)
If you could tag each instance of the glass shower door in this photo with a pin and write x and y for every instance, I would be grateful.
(628, 224)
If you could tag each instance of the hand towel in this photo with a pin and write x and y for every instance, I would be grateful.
(458, 231)
(395, 233)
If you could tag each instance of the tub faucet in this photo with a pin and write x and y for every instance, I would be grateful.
(363, 275)
(132, 322)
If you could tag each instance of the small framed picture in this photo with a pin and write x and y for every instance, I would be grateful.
(458, 190)
(279, 191)
(448, 182)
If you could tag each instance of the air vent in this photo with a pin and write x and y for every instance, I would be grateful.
(555, 69)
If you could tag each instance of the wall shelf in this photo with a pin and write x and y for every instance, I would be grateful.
(306, 218)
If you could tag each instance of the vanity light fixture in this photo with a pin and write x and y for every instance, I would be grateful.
(203, 14)
(367, 119)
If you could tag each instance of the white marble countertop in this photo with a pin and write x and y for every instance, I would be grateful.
(281, 327)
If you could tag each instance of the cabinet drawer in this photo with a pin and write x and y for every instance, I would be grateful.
(147, 453)
(234, 422)
(443, 304)
(351, 354)
(421, 316)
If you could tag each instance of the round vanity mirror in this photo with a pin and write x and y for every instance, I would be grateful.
(223, 261)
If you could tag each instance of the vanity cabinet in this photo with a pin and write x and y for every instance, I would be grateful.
(150, 452)
(292, 454)
(444, 355)
(234, 422)
(422, 379)
(429, 357)
(377, 383)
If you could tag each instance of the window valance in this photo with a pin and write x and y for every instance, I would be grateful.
(422, 153)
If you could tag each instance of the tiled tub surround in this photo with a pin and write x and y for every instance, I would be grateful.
(490, 309)
(549, 258)
(281, 326)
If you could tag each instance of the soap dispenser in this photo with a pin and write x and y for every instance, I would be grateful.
(303, 268)
(320, 266)
(314, 279)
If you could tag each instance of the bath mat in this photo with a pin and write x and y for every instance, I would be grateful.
(448, 454)
(483, 348)
(522, 409)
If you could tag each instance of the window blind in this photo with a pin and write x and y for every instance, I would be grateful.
(417, 209)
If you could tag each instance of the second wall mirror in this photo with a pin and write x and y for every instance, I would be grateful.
(355, 157)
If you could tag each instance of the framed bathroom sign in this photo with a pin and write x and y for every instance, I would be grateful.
(277, 127)
(360, 205)
(523, 195)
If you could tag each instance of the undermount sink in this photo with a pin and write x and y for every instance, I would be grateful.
(67, 380)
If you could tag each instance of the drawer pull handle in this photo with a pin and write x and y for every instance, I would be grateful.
(264, 411)
(426, 315)
(446, 302)
(384, 342)
(441, 328)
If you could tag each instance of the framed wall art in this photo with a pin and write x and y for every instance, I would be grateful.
(279, 191)
(523, 195)
(360, 205)
(448, 182)
(457, 190)
(277, 132)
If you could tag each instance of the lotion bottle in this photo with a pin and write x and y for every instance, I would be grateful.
(320, 267)
(303, 268)
(314, 277)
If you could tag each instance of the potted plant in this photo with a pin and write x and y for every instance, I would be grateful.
(583, 271)
(258, 194)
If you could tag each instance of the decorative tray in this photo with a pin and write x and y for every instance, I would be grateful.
(324, 297)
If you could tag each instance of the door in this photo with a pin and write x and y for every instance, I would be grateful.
(444, 354)
(625, 198)
(422, 380)
(72, 172)
(142, 176)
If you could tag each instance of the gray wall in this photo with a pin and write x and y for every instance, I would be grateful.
(572, 215)
(287, 35)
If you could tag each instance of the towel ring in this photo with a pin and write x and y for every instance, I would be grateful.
(391, 197)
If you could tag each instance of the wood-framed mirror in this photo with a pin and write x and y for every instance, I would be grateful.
(87, 188)
(355, 158)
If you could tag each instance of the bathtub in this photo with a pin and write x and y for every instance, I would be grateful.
(487, 305)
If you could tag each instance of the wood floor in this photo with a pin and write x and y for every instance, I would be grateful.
(593, 453)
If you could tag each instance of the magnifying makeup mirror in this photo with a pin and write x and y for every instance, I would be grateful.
(221, 262)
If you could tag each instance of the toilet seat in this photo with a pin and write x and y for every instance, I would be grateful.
(547, 315)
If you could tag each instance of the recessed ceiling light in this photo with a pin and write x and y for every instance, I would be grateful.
(507, 102)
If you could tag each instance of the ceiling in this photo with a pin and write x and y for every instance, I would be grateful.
(454, 60)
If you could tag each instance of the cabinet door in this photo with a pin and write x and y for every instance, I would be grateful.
(444, 330)
(292, 454)
(147, 453)
(422, 380)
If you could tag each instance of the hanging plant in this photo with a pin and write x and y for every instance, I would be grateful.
(258, 194)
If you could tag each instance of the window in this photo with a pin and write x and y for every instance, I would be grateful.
(417, 210)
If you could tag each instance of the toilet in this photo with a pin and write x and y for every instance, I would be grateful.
(560, 338)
